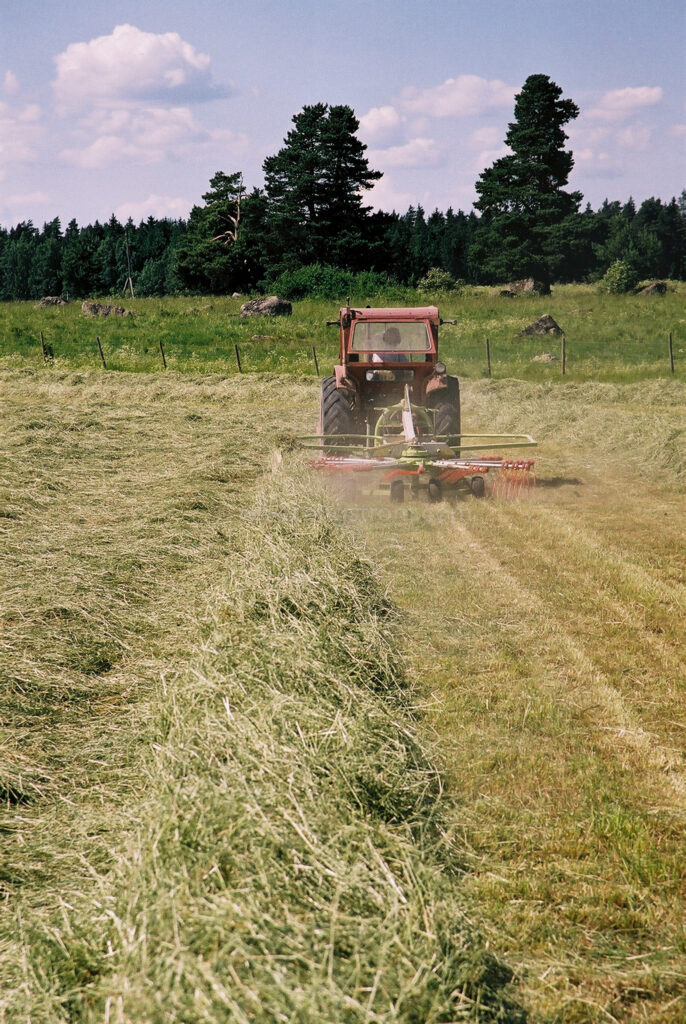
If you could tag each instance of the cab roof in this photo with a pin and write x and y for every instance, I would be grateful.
(393, 313)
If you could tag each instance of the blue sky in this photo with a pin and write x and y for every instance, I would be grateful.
(131, 107)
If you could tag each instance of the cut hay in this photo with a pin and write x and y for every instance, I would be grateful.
(223, 808)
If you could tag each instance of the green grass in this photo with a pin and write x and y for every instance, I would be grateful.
(547, 637)
(609, 338)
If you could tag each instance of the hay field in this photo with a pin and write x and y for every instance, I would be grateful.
(217, 802)
(267, 754)
(548, 638)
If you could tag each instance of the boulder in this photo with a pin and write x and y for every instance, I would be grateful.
(654, 288)
(544, 325)
(528, 286)
(97, 309)
(271, 306)
(51, 300)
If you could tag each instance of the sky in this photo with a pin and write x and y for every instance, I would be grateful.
(130, 108)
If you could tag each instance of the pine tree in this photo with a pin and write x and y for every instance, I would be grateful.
(314, 187)
(522, 197)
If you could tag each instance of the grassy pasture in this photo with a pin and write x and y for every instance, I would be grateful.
(609, 338)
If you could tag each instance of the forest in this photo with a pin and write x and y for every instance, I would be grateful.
(308, 231)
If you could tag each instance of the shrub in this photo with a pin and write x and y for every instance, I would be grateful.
(438, 280)
(326, 282)
(619, 278)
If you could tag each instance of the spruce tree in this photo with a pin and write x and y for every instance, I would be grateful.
(314, 187)
(521, 196)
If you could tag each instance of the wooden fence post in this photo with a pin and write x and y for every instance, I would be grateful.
(42, 345)
(316, 363)
(671, 353)
(164, 361)
(564, 354)
(488, 356)
(102, 354)
(238, 358)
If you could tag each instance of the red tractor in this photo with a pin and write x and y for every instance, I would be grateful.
(383, 352)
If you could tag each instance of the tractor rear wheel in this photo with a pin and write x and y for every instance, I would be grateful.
(446, 406)
(336, 414)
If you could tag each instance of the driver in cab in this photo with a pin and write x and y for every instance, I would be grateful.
(391, 344)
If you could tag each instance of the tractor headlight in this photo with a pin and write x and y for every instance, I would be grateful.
(439, 368)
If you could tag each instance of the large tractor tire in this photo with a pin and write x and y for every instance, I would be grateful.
(336, 414)
(446, 406)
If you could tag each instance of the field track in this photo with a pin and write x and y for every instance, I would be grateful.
(543, 641)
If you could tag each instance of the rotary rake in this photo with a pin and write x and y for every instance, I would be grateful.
(404, 450)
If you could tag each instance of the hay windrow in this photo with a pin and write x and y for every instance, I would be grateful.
(292, 861)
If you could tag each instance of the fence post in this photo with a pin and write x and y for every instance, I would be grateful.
(102, 354)
(488, 356)
(42, 345)
(238, 358)
(316, 363)
(564, 354)
(164, 361)
(671, 353)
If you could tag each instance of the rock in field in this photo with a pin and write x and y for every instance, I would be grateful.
(98, 309)
(271, 306)
(528, 286)
(51, 300)
(654, 288)
(544, 325)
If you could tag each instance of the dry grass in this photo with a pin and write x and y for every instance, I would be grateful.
(217, 806)
(218, 801)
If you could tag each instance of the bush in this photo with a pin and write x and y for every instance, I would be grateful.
(326, 282)
(438, 280)
(619, 278)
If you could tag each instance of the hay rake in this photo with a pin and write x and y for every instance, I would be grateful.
(404, 450)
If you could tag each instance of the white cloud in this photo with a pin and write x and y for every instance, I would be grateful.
(154, 206)
(18, 206)
(10, 83)
(487, 157)
(486, 137)
(379, 124)
(620, 103)
(678, 131)
(635, 136)
(599, 163)
(386, 195)
(132, 66)
(127, 96)
(147, 135)
(415, 153)
(19, 132)
(461, 96)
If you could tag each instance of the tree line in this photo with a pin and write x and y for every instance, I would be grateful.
(308, 228)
